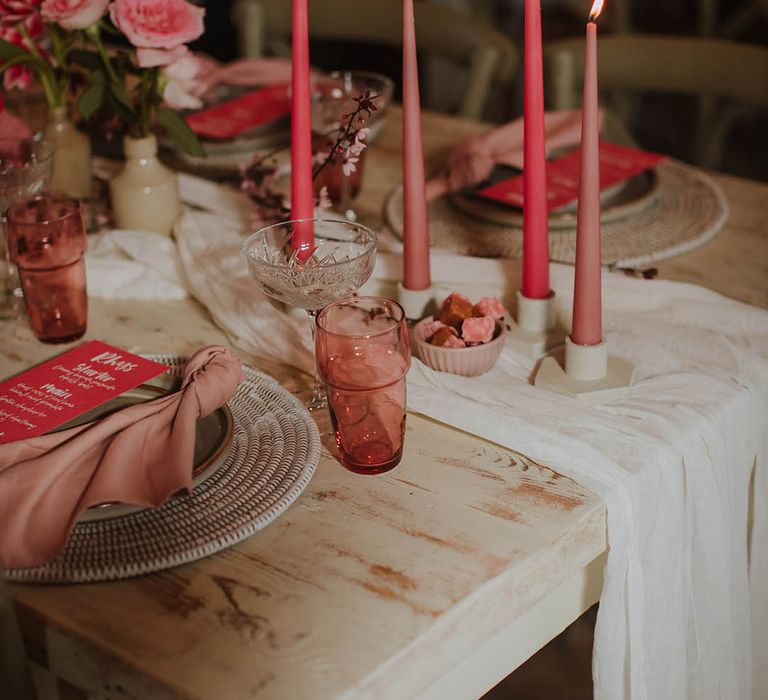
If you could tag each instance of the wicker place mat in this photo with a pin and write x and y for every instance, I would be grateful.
(688, 209)
(274, 451)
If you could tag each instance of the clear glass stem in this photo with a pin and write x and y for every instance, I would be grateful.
(11, 306)
(318, 400)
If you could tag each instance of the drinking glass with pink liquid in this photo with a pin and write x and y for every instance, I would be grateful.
(46, 240)
(363, 356)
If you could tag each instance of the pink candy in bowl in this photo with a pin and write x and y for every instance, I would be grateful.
(465, 339)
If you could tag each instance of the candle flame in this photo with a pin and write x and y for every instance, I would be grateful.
(597, 8)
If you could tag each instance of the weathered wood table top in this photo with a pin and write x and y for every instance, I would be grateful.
(434, 580)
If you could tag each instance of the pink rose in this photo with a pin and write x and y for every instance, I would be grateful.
(73, 14)
(157, 24)
(14, 11)
(183, 86)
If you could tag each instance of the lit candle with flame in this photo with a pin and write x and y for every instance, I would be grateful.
(535, 221)
(587, 328)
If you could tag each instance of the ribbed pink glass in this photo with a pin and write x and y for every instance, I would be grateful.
(363, 356)
(46, 239)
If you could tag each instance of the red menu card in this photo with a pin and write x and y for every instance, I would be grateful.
(236, 116)
(617, 163)
(47, 396)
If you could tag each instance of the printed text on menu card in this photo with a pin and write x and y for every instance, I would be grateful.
(49, 395)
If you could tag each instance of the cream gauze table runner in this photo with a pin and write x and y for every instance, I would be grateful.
(680, 463)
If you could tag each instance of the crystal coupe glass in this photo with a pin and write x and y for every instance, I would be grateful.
(25, 168)
(341, 262)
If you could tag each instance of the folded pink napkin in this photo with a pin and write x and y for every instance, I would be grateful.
(472, 160)
(140, 455)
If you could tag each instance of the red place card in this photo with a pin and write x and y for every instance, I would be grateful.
(47, 396)
(236, 116)
(617, 163)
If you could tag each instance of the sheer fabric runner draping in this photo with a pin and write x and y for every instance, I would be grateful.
(680, 463)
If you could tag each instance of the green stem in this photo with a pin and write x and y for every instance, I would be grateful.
(53, 92)
(95, 34)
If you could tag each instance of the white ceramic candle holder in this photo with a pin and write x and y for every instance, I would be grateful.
(537, 329)
(417, 303)
(590, 374)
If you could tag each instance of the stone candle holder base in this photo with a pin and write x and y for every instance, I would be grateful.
(417, 303)
(537, 329)
(590, 374)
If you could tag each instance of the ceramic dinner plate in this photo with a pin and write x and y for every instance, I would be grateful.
(213, 437)
(617, 202)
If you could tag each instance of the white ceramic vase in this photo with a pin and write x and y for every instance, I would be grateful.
(72, 155)
(145, 194)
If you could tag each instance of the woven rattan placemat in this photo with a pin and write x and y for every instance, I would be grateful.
(274, 451)
(688, 210)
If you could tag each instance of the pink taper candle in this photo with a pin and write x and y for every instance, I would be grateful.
(587, 299)
(535, 232)
(302, 197)
(416, 274)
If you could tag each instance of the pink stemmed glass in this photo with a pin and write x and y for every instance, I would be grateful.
(47, 241)
(363, 355)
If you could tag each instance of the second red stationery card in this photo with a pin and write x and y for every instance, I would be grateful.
(617, 163)
(49, 395)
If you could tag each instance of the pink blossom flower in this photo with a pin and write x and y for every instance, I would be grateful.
(358, 145)
(182, 84)
(157, 24)
(73, 14)
(349, 165)
(323, 202)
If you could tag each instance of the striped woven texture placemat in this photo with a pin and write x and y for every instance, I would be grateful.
(274, 451)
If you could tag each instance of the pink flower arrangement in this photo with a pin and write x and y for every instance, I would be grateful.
(73, 14)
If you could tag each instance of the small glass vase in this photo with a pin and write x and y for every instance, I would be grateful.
(145, 194)
(72, 173)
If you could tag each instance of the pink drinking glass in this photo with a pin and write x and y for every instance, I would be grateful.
(46, 240)
(363, 356)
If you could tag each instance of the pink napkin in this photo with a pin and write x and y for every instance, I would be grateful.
(141, 455)
(472, 160)
(12, 127)
(246, 72)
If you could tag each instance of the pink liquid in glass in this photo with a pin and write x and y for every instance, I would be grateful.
(46, 240)
(363, 355)
(56, 302)
(369, 425)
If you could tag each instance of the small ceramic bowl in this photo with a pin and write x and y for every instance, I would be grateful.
(467, 362)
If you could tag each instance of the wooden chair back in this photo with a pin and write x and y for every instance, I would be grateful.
(264, 28)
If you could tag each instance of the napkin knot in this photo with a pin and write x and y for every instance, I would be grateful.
(214, 373)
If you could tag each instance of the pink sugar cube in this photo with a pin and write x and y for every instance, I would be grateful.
(430, 328)
(489, 306)
(454, 342)
(478, 330)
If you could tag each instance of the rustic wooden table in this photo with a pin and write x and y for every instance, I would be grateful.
(433, 581)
